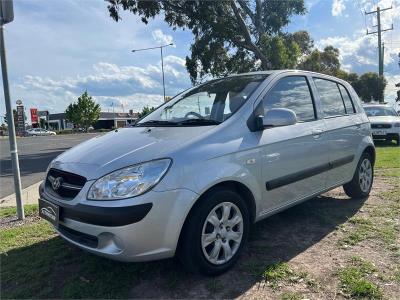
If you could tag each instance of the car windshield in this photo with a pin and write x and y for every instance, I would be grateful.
(209, 104)
(378, 111)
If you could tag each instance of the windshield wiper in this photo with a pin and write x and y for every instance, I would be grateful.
(156, 122)
(198, 122)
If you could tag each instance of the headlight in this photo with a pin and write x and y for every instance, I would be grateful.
(129, 182)
(396, 124)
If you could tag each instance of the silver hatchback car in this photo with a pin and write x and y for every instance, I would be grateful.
(191, 177)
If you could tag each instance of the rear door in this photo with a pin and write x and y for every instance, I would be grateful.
(343, 126)
(294, 158)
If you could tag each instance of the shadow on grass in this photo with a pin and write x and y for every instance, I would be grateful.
(53, 269)
(383, 143)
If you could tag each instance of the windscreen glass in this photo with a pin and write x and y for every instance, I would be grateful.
(209, 104)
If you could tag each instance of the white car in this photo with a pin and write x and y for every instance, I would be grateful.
(39, 131)
(385, 122)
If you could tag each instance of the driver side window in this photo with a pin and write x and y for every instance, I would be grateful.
(293, 93)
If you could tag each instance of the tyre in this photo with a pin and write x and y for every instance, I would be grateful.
(215, 232)
(361, 184)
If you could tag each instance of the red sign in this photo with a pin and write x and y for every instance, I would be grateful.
(34, 115)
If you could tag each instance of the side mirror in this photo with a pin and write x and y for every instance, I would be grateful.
(277, 117)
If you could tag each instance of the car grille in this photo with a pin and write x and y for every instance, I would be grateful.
(63, 184)
(378, 126)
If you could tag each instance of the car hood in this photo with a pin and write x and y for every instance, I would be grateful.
(384, 119)
(124, 147)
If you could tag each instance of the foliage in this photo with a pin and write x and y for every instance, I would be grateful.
(326, 61)
(42, 123)
(84, 112)
(146, 110)
(229, 36)
(369, 86)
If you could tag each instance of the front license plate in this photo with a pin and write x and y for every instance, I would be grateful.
(379, 132)
(49, 211)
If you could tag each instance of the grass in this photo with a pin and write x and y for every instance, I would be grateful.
(291, 296)
(36, 263)
(30, 210)
(281, 273)
(354, 279)
(387, 158)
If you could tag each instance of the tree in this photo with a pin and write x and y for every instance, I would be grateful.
(326, 61)
(371, 86)
(42, 123)
(229, 36)
(146, 110)
(84, 112)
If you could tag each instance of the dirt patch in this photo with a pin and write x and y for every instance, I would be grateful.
(8, 222)
(306, 241)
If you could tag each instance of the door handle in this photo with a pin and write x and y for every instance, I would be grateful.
(317, 133)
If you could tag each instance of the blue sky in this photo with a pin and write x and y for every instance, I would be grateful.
(57, 49)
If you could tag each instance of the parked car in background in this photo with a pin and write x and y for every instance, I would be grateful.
(385, 122)
(39, 132)
(191, 177)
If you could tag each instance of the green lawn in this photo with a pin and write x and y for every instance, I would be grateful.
(36, 263)
(387, 158)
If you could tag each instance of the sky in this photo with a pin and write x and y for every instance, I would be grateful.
(58, 49)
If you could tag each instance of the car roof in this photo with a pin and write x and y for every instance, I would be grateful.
(291, 71)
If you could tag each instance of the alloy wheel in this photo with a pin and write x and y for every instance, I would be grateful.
(222, 233)
(365, 175)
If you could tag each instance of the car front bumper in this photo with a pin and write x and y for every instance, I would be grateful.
(147, 230)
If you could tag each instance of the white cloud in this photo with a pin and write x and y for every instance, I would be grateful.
(391, 89)
(161, 38)
(338, 7)
(108, 83)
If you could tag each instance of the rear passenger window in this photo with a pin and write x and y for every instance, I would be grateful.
(330, 96)
(292, 93)
(347, 100)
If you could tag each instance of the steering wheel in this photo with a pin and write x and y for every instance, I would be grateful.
(193, 113)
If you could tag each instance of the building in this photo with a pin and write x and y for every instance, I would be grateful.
(107, 120)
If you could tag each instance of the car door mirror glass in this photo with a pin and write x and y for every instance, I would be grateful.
(277, 117)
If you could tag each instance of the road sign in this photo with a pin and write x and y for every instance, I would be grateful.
(18, 102)
(6, 11)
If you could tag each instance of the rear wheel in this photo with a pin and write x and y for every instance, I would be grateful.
(215, 233)
(361, 184)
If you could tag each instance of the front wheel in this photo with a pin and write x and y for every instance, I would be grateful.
(215, 233)
(361, 184)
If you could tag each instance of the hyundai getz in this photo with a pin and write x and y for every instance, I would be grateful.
(190, 178)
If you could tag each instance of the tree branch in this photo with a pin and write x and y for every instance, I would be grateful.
(247, 10)
(258, 17)
(243, 27)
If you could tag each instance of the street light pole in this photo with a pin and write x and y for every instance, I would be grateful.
(162, 61)
(6, 16)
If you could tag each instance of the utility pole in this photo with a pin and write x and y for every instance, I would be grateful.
(6, 16)
(381, 45)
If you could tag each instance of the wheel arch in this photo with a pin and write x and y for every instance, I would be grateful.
(239, 187)
(371, 151)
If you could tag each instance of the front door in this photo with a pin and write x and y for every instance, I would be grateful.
(295, 157)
